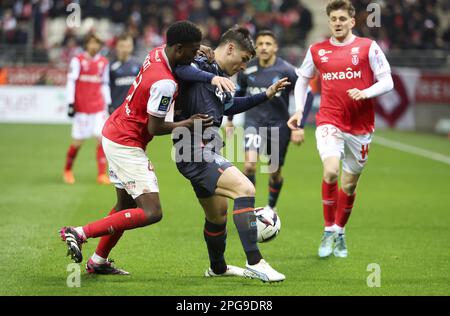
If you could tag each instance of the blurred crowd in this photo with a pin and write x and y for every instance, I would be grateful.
(406, 23)
(147, 21)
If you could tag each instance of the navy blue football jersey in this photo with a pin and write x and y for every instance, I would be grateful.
(256, 79)
(121, 77)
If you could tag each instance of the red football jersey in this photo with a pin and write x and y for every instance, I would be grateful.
(89, 74)
(354, 64)
(152, 92)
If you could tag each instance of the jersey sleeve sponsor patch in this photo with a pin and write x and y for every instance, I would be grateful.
(164, 104)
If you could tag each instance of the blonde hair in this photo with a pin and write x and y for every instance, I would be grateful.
(335, 5)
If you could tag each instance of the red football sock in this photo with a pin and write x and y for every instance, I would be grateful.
(108, 242)
(101, 160)
(344, 209)
(71, 155)
(329, 202)
(117, 222)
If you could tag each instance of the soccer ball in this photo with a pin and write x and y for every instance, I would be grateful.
(268, 224)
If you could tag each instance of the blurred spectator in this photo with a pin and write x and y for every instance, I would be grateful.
(71, 48)
(406, 24)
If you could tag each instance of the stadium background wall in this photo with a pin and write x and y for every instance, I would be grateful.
(420, 100)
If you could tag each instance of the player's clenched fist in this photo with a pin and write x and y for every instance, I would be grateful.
(295, 120)
(356, 94)
(298, 136)
(71, 110)
(277, 86)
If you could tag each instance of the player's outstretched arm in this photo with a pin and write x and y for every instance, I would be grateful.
(278, 86)
(158, 125)
(193, 74)
(242, 104)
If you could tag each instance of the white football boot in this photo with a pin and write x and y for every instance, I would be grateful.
(327, 243)
(263, 271)
(340, 247)
(231, 271)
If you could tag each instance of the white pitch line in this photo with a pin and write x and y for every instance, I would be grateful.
(411, 149)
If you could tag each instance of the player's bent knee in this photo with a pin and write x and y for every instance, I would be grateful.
(331, 175)
(249, 168)
(154, 214)
(276, 177)
(349, 188)
(218, 220)
(246, 190)
(125, 206)
(155, 217)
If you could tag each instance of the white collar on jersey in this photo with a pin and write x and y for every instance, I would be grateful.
(334, 42)
(90, 57)
(165, 58)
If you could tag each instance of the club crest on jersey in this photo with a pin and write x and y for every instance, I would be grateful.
(164, 104)
(355, 60)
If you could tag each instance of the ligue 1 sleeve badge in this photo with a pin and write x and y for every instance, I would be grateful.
(164, 104)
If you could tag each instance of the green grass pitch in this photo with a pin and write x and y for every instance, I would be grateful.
(400, 222)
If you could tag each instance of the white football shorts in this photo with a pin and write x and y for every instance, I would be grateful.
(87, 125)
(353, 150)
(130, 169)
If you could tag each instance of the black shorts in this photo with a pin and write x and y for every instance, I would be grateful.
(205, 174)
(259, 140)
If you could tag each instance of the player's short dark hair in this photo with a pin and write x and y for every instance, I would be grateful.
(92, 36)
(341, 5)
(241, 36)
(124, 37)
(182, 32)
(266, 33)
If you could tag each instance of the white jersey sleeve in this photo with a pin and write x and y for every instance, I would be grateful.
(161, 97)
(381, 70)
(300, 93)
(72, 77)
(378, 61)
(307, 69)
(106, 91)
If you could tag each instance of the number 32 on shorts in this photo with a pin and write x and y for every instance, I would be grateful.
(326, 131)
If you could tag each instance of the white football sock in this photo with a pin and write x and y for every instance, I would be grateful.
(339, 230)
(80, 231)
(97, 259)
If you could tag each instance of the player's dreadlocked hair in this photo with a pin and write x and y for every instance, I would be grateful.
(341, 5)
(241, 36)
(182, 32)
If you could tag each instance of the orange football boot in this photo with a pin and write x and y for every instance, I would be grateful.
(103, 179)
(68, 177)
